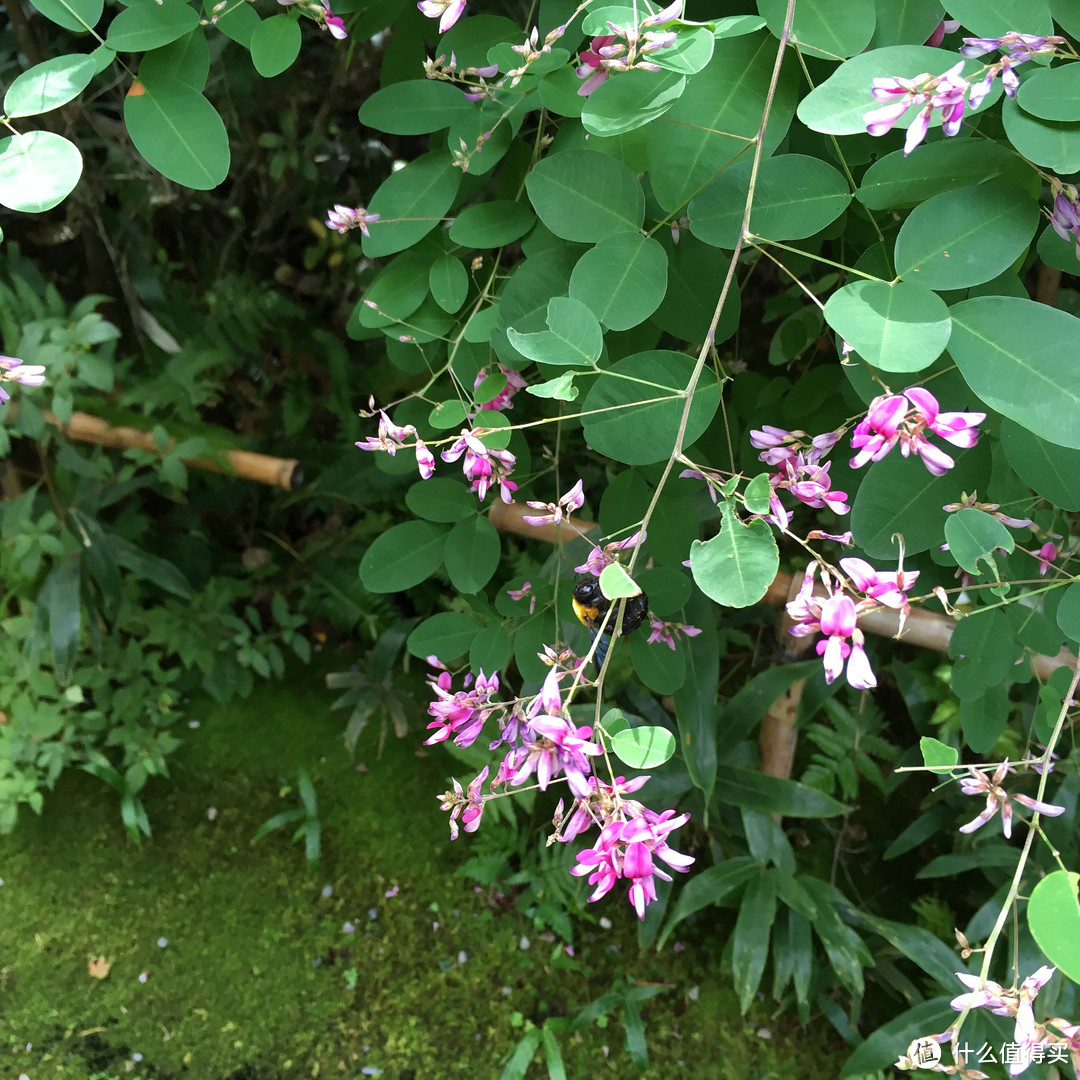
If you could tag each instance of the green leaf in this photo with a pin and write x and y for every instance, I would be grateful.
(239, 23)
(897, 327)
(900, 21)
(178, 132)
(447, 635)
(965, 237)
(930, 953)
(1053, 915)
(1068, 612)
(403, 556)
(695, 707)
(491, 649)
(38, 171)
(187, 59)
(825, 28)
(149, 26)
(560, 389)
(643, 747)
(691, 51)
(634, 383)
(983, 719)
(585, 195)
(695, 273)
(988, 856)
(472, 554)
(898, 495)
(973, 535)
(992, 18)
(623, 279)
(752, 790)
(795, 197)
(661, 669)
(573, 335)
(440, 499)
(164, 574)
(414, 107)
(1052, 94)
(629, 100)
(77, 16)
(1054, 144)
(712, 885)
(717, 118)
(742, 714)
(1018, 356)
(275, 45)
(411, 202)
(938, 757)
(899, 180)
(985, 650)
(616, 583)
(837, 106)
(49, 85)
(736, 567)
(750, 941)
(60, 601)
(449, 283)
(491, 224)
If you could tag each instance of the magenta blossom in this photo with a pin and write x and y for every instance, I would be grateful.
(1065, 217)
(559, 747)
(625, 48)
(669, 632)
(520, 594)
(461, 714)
(483, 466)
(889, 589)
(627, 849)
(997, 798)
(600, 558)
(391, 439)
(903, 419)
(333, 23)
(1047, 554)
(833, 615)
(446, 11)
(468, 805)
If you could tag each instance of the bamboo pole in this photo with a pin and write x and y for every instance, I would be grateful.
(263, 469)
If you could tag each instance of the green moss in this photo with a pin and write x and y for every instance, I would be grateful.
(259, 980)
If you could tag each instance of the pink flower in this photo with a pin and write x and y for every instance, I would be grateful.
(468, 805)
(888, 589)
(573, 500)
(446, 11)
(997, 798)
(335, 25)
(343, 218)
(14, 370)
(483, 466)
(669, 632)
(600, 558)
(461, 714)
(1047, 554)
(559, 747)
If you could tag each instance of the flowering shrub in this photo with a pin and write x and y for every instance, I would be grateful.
(595, 227)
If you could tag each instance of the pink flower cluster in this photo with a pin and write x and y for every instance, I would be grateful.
(343, 218)
(483, 466)
(391, 439)
(504, 399)
(544, 743)
(950, 92)
(1065, 217)
(669, 632)
(624, 47)
(904, 419)
(1033, 1043)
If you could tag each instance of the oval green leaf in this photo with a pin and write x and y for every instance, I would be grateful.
(899, 327)
(1053, 914)
(472, 554)
(275, 44)
(38, 170)
(491, 224)
(1054, 144)
(1019, 356)
(414, 107)
(78, 16)
(825, 28)
(403, 556)
(973, 535)
(965, 237)
(573, 336)
(643, 747)
(646, 433)
(623, 279)
(186, 59)
(1049, 470)
(178, 132)
(151, 25)
(795, 197)
(449, 283)
(49, 85)
(736, 567)
(440, 499)
(411, 202)
(1053, 94)
(631, 100)
(447, 635)
(585, 195)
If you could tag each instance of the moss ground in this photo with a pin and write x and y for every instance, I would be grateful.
(228, 961)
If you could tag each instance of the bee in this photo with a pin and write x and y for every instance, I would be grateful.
(591, 605)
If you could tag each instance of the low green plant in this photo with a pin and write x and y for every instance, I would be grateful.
(307, 814)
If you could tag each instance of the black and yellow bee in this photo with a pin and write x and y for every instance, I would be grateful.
(591, 605)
